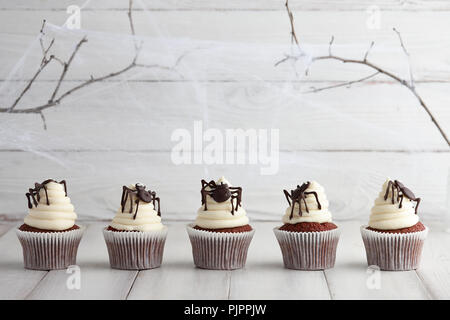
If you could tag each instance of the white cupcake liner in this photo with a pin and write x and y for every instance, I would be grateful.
(308, 250)
(219, 250)
(130, 250)
(393, 251)
(50, 250)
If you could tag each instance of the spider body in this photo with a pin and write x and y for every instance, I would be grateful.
(141, 194)
(33, 195)
(299, 194)
(221, 193)
(402, 192)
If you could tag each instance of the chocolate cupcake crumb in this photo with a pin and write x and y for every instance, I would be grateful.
(415, 228)
(308, 227)
(244, 228)
(25, 227)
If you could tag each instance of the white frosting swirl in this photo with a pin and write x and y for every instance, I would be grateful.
(218, 214)
(315, 214)
(58, 215)
(147, 218)
(388, 216)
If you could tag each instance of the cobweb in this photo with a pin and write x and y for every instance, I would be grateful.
(119, 131)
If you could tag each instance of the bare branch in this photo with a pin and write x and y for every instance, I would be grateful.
(378, 70)
(54, 100)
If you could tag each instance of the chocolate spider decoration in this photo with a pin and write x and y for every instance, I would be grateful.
(33, 193)
(221, 193)
(141, 194)
(298, 195)
(402, 192)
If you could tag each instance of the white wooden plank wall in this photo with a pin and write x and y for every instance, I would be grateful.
(119, 132)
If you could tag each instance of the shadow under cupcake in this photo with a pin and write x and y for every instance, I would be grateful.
(49, 235)
(221, 235)
(308, 239)
(394, 237)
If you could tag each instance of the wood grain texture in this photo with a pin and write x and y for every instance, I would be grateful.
(98, 280)
(264, 276)
(16, 282)
(178, 278)
(244, 41)
(95, 180)
(348, 279)
(340, 119)
(253, 5)
(435, 267)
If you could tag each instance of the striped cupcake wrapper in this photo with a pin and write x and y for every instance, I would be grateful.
(219, 250)
(135, 250)
(49, 251)
(393, 251)
(308, 250)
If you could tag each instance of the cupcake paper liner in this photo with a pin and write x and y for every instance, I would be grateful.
(219, 250)
(49, 251)
(308, 250)
(393, 251)
(135, 250)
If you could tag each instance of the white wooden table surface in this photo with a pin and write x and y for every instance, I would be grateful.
(264, 276)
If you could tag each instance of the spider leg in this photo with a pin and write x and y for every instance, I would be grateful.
(287, 195)
(304, 200)
(387, 190)
(417, 205)
(292, 209)
(137, 207)
(317, 198)
(159, 205)
(401, 200)
(232, 204)
(237, 192)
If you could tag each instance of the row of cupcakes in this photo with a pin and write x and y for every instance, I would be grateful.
(221, 234)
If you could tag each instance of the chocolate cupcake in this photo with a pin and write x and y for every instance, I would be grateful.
(135, 238)
(394, 237)
(308, 238)
(49, 235)
(221, 234)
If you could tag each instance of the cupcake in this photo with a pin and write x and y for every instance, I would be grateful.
(49, 235)
(308, 238)
(394, 237)
(135, 238)
(221, 235)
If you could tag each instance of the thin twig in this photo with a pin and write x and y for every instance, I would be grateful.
(291, 19)
(345, 84)
(411, 77)
(368, 50)
(330, 44)
(66, 67)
